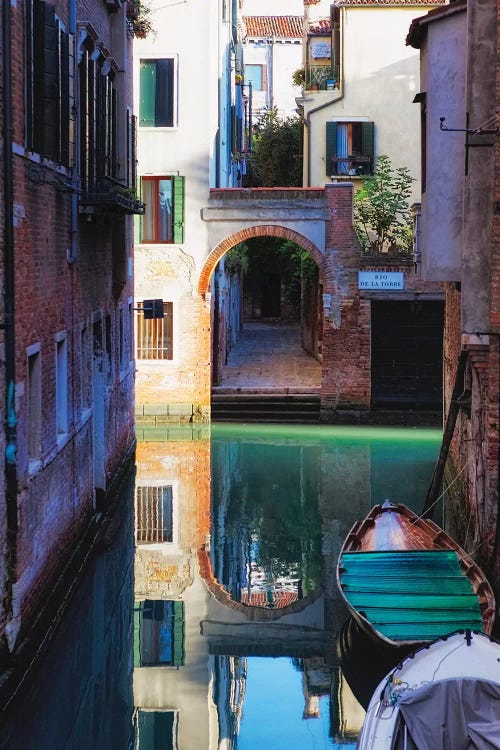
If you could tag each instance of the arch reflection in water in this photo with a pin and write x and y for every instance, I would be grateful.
(208, 679)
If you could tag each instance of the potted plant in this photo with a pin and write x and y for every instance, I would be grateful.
(138, 18)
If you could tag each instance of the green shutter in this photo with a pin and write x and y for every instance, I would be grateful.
(147, 89)
(138, 607)
(178, 634)
(367, 142)
(51, 82)
(46, 84)
(178, 217)
(64, 113)
(331, 147)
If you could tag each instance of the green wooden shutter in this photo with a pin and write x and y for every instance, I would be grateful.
(178, 634)
(147, 89)
(138, 607)
(51, 82)
(45, 63)
(331, 148)
(368, 142)
(178, 214)
(64, 112)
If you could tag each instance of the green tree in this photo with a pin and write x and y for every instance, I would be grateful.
(276, 157)
(382, 213)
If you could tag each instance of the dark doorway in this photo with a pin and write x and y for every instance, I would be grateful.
(407, 355)
(271, 296)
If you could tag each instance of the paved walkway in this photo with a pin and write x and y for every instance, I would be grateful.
(269, 357)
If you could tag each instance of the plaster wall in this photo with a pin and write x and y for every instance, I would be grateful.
(379, 81)
(188, 148)
(479, 184)
(443, 80)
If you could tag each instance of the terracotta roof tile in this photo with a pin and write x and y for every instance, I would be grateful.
(322, 26)
(286, 27)
(396, 3)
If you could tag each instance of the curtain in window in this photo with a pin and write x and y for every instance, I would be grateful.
(164, 211)
(148, 197)
(342, 147)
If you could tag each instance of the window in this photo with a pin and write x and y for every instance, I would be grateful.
(61, 385)
(349, 148)
(149, 725)
(154, 337)
(85, 368)
(34, 401)
(156, 93)
(158, 633)
(163, 219)
(153, 514)
(47, 83)
(98, 117)
(255, 74)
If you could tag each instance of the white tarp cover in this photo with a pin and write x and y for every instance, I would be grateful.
(453, 715)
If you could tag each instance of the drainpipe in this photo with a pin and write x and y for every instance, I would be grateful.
(9, 288)
(307, 121)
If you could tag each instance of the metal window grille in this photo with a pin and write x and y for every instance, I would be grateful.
(155, 337)
(153, 515)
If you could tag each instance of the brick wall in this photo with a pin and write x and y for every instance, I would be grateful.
(56, 299)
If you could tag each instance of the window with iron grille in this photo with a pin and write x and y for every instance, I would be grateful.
(47, 83)
(153, 514)
(163, 219)
(154, 337)
(98, 117)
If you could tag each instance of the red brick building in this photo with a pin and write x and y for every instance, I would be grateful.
(459, 100)
(68, 189)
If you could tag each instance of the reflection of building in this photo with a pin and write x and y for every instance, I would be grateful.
(171, 671)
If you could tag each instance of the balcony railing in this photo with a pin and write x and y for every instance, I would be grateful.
(353, 165)
(105, 195)
(321, 77)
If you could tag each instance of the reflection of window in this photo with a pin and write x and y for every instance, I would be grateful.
(156, 730)
(349, 148)
(34, 401)
(153, 514)
(255, 74)
(154, 337)
(156, 106)
(158, 633)
(163, 219)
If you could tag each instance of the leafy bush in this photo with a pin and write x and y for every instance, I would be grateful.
(382, 213)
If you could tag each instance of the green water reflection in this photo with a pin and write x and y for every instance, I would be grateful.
(279, 491)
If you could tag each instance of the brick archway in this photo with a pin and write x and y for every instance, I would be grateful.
(266, 230)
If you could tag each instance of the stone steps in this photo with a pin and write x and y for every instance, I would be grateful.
(269, 406)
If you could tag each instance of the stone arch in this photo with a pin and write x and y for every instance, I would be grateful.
(259, 614)
(261, 230)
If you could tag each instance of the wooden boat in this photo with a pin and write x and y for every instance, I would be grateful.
(444, 695)
(407, 582)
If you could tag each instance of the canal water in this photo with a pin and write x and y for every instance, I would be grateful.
(209, 616)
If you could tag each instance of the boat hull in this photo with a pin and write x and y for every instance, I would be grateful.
(407, 582)
(419, 697)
